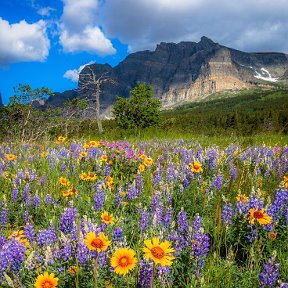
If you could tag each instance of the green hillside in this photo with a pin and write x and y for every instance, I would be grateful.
(247, 112)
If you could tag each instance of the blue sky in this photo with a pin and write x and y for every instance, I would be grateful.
(45, 42)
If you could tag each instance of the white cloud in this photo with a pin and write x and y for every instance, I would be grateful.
(45, 11)
(73, 74)
(23, 42)
(251, 25)
(79, 28)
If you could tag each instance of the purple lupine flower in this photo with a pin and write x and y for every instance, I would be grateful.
(132, 192)
(170, 173)
(200, 248)
(25, 216)
(43, 180)
(67, 220)
(82, 253)
(14, 194)
(99, 196)
(36, 201)
(167, 219)
(63, 167)
(157, 177)
(212, 161)
(29, 233)
(103, 260)
(182, 222)
(158, 215)
(279, 206)
(32, 176)
(12, 254)
(139, 183)
(185, 183)
(164, 275)
(107, 170)
(145, 274)
(217, 182)
(117, 234)
(144, 220)
(48, 199)
(269, 276)
(20, 175)
(227, 213)
(66, 251)
(47, 237)
(254, 202)
(26, 194)
(155, 201)
(233, 173)
(4, 216)
(3, 241)
(17, 182)
(197, 223)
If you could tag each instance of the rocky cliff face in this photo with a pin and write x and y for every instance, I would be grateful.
(190, 71)
(57, 100)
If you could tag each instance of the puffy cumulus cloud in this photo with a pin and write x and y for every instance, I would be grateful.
(73, 74)
(23, 42)
(79, 28)
(251, 25)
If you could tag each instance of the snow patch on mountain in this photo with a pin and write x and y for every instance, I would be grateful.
(265, 75)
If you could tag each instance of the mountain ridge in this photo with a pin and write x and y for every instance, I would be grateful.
(186, 72)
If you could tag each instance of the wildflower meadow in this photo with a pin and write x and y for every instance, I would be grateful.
(144, 214)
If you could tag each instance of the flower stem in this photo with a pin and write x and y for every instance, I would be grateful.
(152, 278)
(95, 271)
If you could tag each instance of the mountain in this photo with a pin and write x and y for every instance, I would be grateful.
(57, 100)
(189, 71)
(1, 102)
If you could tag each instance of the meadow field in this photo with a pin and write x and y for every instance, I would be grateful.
(207, 212)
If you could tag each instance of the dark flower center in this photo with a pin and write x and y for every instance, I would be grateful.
(258, 215)
(157, 252)
(97, 243)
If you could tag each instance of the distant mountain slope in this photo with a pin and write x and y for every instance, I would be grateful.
(189, 71)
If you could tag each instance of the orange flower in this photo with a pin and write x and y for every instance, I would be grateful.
(141, 167)
(61, 139)
(83, 154)
(17, 234)
(66, 193)
(107, 218)
(272, 235)
(92, 176)
(64, 182)
(241, 198)
(98, 243)
(260, 216)
(44, 154)
(160, 253)
(70, 192)
(10, 157)
(143, 156)
(46, 281)
(104, 158)
(86, 146)
(73, 270)
(196, 167)
(123, 260)
(148, 162)
(94, 143)
(84, 176)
